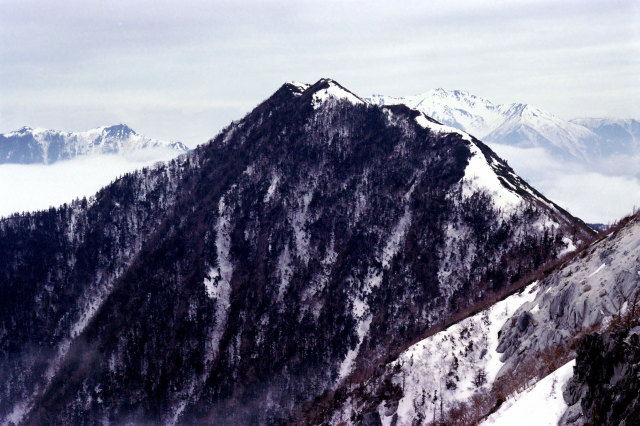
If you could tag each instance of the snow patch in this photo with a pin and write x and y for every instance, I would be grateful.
(299, 223)
(360, 309)
(272, 188)
(397, 235)
(347, 364)
(570, 246)
(540, 405)
(218, 282)
(600, 268)
(467, 349)
(480, 176)
(300, 86)
(334, 91)
(284, 271)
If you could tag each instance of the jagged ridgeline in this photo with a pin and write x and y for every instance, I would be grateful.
(300, 246)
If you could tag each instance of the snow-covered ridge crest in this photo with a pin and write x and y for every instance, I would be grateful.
(479, 175)
(333, 90)
(300, 87)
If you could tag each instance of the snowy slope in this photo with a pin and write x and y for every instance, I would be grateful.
(528, 126)
(464, 349)
(445, 367)
(44, 146)
(540, 405)
(333, 90)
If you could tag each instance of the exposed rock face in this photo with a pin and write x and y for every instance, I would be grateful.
(581, 296)
(33, 146)
(606, 383)
(535, 331)
(301, 244)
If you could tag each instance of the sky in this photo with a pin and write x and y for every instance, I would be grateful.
(182, 70)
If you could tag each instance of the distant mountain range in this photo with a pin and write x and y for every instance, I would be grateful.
(43, 146)
(524, 125)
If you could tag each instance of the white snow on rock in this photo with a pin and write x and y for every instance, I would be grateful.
(584, 295)
(479, 175)
(347, 364)
(334, 91)
(285, 271)
(540, 405)
(360, 308)
(272, 188)
(600, 268)
(457, 354)
(217, 283)
(300, 86)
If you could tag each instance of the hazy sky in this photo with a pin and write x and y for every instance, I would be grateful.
(181, 70)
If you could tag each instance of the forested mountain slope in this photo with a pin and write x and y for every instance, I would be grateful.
(298, 247)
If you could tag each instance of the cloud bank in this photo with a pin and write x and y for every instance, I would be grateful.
(590, 191)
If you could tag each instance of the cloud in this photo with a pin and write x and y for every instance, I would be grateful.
(584, 190)
(38, 187)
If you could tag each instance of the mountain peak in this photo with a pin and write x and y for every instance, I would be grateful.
(322, 90)
(327, 88)
(296, 87)
(119, 130)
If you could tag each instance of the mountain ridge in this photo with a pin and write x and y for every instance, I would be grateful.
(524, 125)
(38, 145)
(262, 268)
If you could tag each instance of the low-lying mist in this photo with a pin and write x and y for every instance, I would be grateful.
(602, 191)
(29, 187)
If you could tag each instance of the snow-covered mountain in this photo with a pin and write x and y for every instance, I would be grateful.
(615, 136)
(284, 259)
(43, 146)
(456, 108)
(520, 125)
(519, 354)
